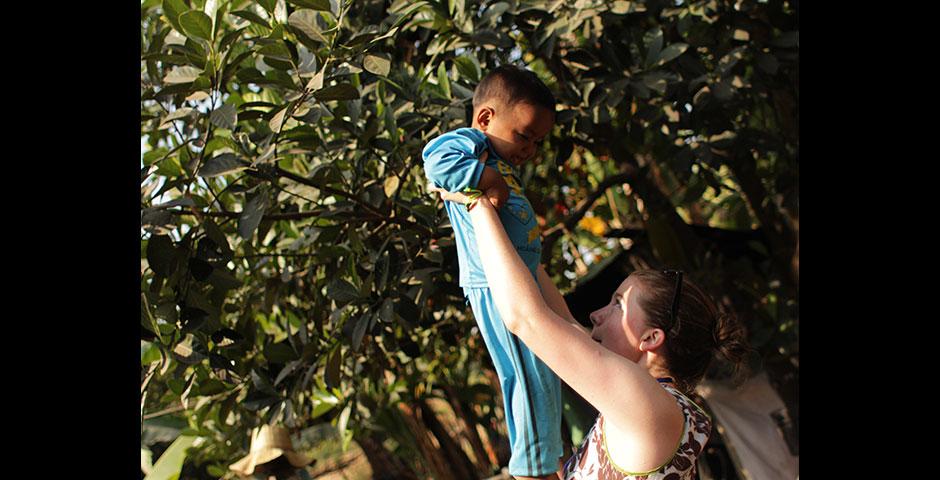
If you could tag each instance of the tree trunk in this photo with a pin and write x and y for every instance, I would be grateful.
(385, 465)
(497, 437)
(459, 463)
(431, 453)
(486, 457)
(776, 226)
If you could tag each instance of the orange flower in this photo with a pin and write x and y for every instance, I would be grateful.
(593, 225)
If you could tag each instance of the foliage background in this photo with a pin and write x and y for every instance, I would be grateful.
(294, 270)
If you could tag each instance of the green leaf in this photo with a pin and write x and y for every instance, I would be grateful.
(223, 280)
(322, 402)
(154, 155)
(344, 419)
(493, 12)
(656, 80)
(376, 64)
(146, 456)
(216, 235)
(251, 216)
(468, 67)
(286, 371)
(359, 327)
(149, 353)
(268, 5)
(278, 120)
(655, 45)
(391, 185)
(224, 164)
(279, 353)
(196, 24)
(333, 364)
(671, 52)
(197, 96)
(322, 5)
(174, 115)
(277, 51)
(305, 20)
(342, 91)
(261, 383)
(315, 83)
(211, 387)
(184, 74)
(172, 9)
(184, 351)
(161, 255)
(621, 7)
(224, 116)
(443, 81)
(170, 464)
(387, 311)
(251, 17)
(308, 63)
(341, 291)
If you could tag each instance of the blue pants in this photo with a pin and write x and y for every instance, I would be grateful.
(531, 392)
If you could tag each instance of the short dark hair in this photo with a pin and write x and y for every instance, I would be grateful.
(510, 85)
(706, 332)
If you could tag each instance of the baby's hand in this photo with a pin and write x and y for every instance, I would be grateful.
(449, 196)
(492, 185)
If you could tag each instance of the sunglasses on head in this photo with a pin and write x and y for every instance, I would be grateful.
(674, 311)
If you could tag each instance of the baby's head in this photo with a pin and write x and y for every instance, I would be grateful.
(515, 110)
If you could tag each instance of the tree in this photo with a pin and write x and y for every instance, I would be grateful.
(293, 268)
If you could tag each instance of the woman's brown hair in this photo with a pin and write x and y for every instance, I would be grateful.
(700, 331)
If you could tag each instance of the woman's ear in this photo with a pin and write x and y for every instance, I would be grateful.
(483, 117)
(652, 339)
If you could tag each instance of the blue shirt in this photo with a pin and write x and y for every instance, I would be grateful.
(451, 162)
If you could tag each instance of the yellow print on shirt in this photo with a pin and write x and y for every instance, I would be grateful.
(533, 233)
(506, 172)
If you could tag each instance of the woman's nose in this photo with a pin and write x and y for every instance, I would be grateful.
(595, 317)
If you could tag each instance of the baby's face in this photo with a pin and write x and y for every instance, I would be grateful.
(516, 131)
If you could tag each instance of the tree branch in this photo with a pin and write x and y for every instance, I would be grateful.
(365, 206)
(550, 236)
(270, 216)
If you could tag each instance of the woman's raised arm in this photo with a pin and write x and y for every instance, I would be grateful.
(620, 389)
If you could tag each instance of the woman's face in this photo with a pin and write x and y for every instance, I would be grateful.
(621, 324)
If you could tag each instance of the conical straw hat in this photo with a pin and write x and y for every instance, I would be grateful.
(268, 443)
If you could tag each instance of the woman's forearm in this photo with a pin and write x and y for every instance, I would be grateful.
(515, 292)
(553, 298)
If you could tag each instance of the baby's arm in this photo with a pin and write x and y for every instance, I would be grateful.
(493, 185)
(451, 163)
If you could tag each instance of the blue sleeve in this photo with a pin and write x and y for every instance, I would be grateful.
(451, 161)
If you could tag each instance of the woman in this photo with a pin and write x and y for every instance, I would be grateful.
(647, 350)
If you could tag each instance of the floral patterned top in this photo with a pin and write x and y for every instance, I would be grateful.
(592, 461)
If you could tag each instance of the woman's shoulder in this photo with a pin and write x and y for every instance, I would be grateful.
(697, 429)
(695, 416)
(603, 452)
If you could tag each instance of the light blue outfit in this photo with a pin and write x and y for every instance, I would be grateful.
(531, 391)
